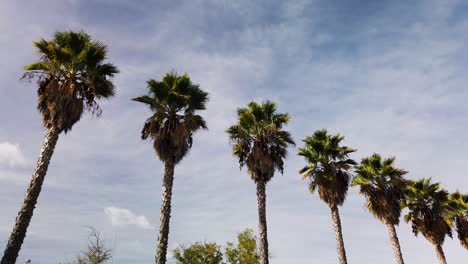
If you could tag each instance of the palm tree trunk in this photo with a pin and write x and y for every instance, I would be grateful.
(338, 234)
(163, 235)
(440, 254)
(26, 212)
(262, 223)
(395, 243)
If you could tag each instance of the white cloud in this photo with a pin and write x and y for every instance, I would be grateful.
(11, 154)
(122, 216)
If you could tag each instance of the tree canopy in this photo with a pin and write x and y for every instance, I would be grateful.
(72, 72)
(383, 185)
(259, 141)
(174, 102)
(244, 252)
(327, 166)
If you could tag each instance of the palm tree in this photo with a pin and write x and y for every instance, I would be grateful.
(174, 102)
(383, 186)
(460, 216)
(260, 143)
(72, 74)
(429, 211)
(327, 169)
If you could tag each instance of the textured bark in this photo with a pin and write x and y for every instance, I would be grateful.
(395, 243)
(26, 212)
(262, 223)
(163, 235)
(338, 234)
(440, 254)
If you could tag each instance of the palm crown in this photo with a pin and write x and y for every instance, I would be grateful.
(429, 210)
(383, 185)
(328, 165)
(460, 216)
(72, 73)
(174, 102)
(259, 140)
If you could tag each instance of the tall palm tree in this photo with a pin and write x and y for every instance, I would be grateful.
(429, 211)
(174, 102)
(260, 143)
(72, 73)
(460, 216)
(383, 186)
(327, 169)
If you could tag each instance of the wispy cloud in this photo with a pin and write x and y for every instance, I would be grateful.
(122, 217)
(11, 155)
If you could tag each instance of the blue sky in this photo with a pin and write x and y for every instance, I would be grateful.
(389, 75)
